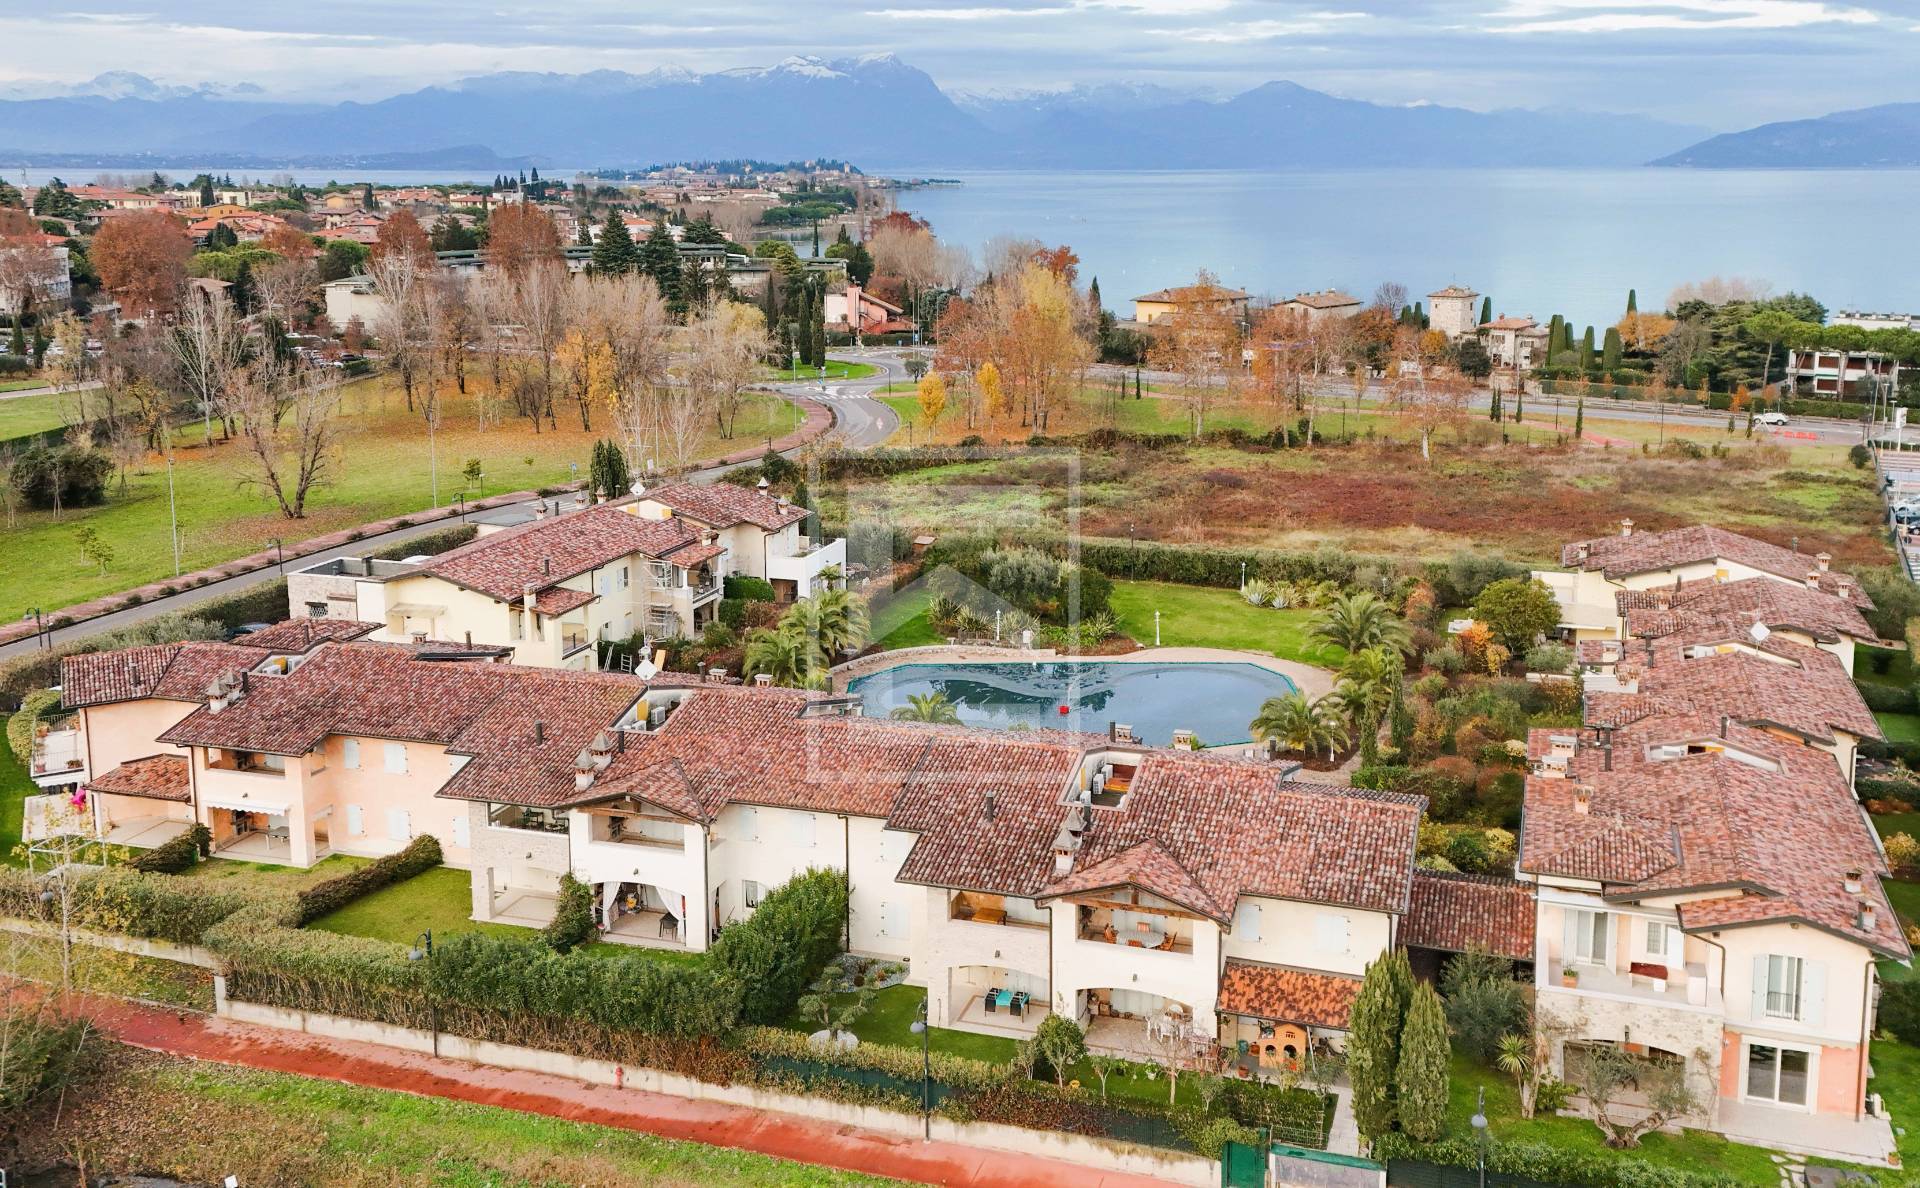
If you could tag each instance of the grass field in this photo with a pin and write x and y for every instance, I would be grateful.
(106, 971)
(903, 623)
(1899, 728)
(1899, 666)
(202, 1122)
(835, 370)
(1196, 617)
(30, 414)
(21, 385)
(15, 787)
(383, 471)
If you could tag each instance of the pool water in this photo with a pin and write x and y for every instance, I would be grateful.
(1215, 700)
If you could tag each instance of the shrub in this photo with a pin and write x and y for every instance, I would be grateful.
(177, 855)
(572, 922)
(118, 899)
(1885, 699)
(784, 945)
(1899, 1012)
(1555, 658)
(430, 545)
(421, 854)
(1483, 1002)
(1445, 659)
(63, 476)
(1903, 854)
(1574, 1167)
(748, 589)
(33, 707)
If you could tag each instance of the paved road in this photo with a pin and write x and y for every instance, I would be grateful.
(861, 421)
(87, 386)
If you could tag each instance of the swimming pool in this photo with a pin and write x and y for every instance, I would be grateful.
(1213, 699)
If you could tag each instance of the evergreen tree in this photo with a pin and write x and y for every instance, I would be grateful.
(448, 235)
(702, 231)
(803, 500)
(17, 346)
(1586, 348)
(1610, 352)
(1579, 418)
(1419, 315)
(1373, 1041)
(583, 237)
(1420, 1079)
(366, 197)
(1400, 719)
(660, 259)
(221, 238)
(607, 476)
(206, 190)
(1519, 403)
(1633, 302)
(1486, 310)
(242, 291)
(1093, 294)
(615, 254)
(820, 326)
(1493, 406)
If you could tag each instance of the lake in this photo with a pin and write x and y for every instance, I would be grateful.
(1538, 241)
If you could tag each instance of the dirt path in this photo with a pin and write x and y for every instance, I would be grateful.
(785, 1136)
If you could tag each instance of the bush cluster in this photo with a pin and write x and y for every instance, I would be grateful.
(777, 951)
(1543, 1162)
(421, 854)
(572, 923)
(1886, 699)
(177, 855)
(117, 899)
(430, 545)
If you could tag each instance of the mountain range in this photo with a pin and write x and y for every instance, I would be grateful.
(1887, 136)
(875, 110)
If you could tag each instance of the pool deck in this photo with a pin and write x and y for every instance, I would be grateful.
(1312, 681)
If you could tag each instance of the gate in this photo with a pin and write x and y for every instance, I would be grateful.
(1276, 1166)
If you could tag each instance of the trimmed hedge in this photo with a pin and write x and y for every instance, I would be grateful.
(177, 855)
(430, 545)
(118, 899)
(572, 922)
(265, 603)
(422, 854)
(1575, 1168)
(747, 589)
(1886, 699)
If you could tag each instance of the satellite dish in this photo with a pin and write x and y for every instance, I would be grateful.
(1759, 632)
(645, 670)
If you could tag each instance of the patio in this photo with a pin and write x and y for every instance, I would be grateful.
(145, 832)
(259, 846)
(530, 909)
(1830, 1136)
(645, 929)
(974, 1017)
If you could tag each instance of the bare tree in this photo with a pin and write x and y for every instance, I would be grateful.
(209, 348)
(1199, 342)
(290, 424)
(726, 344)
(1422, 388)
(401, 279)
(285, 287)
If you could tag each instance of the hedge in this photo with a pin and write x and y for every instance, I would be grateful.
(22, 674)
(572, 922)
(1886, 699)
(266, 603)
(118, 899)
(33, 707)
(430, 545)
(748, 589)
(421, 854)
(1572, 1167)
(177, 855)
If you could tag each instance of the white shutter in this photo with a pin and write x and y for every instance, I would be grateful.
(1758, 1007)
(1569, 943)
(460, 836)
(350, 752)
(397, 824)
(396, 758)
(1813, 993)
(1246, 923)
(355, 827)
(803, 830)
(750, 823)
(893, 919)
(1331, 931)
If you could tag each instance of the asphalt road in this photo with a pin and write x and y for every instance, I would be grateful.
(860, 421)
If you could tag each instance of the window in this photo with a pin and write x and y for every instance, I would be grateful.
(1587, 936)
(750, 890)
(350, 755)
(1246, 923)
(803, 830)
(1782, 987)
(1330, 932)
(399, 825)
(1778, 1074)
(316, 610)
(623, 575)
(1657, 939)
(396, 758)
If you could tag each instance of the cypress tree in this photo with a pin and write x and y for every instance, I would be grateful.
(1579, 418)
(17, 346)
(1586, 349)
(1554, 328)
(820, 328)
(1420, 1080)
(660, 259)
(1519, 403)
(242, 291)
(802, 499)
(1633, 302)
(206, 190)
(1610, 352)
(1093, 294)
(1373, 1041)
(584, 236)
(615, 254)
(1486, 310)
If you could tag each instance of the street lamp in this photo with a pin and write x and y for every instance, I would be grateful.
(422, 950)
(279, 558)
(39, 627)
(925, 1033)
(1479, 1123)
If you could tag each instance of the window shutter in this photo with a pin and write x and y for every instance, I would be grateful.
(1813, 992)
(353, 820)
(350, 754)
(1246, 923)
(1570, 924)
(397, 824)
(803, 830)
(460, 836)
(1758, 1007)
(396, 758)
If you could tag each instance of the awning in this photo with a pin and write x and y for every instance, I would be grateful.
(243, 804)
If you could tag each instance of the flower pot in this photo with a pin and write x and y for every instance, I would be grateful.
(1570, 978)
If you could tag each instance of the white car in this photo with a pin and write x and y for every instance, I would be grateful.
(1771, 418)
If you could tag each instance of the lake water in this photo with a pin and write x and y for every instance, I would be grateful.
(1214, 700)
(1538, 241)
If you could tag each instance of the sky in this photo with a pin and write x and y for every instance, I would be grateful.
(1723, 64)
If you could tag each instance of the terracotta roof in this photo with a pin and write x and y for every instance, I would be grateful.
(1648, 552)
(1733, 607)
(558, 600)
(1463, 912)
(1286, 995)
(1181, 293)
(546, 552)
(722, 505)
(1329, 299)
(156, 777)
(1453, 291)
(298, 635)
(176, 671)
(1684, 807)
(1506, 323)
(1778, 682)
(689, 555)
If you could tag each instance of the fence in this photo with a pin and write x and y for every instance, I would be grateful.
(1277, 1166)
(1409, 1173)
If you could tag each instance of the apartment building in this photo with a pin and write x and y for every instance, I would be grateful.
(548, 590)
(1702, 574)
(1709, 894)
(1518, 344)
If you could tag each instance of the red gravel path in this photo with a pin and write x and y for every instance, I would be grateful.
(785, 1136)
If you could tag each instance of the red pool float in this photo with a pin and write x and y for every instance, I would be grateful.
(1063, 711)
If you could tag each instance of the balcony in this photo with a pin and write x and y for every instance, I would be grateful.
(1134, 930)
(639, 831)
(977, 908)
(248, 762)
(574, 638)
(803, 567)
(703, 589)
(1683, 987)
(59, 756)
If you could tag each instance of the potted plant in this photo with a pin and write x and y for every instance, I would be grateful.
(1569, 976)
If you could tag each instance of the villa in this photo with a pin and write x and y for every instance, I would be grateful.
(548, 590)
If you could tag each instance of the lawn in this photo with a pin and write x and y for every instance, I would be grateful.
(1199, 617)
(1899, 728)
(21, 385)
(835, 369)
(1899, 665)
(15, 787)
(383, 471)
(201, 1122)
(1905, 898)
(31, 414)
(903, 623)
(271, 876)
(1694, 1150)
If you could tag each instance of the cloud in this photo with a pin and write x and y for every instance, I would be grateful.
(962, 14)
(1633, 16)
(1266, 29)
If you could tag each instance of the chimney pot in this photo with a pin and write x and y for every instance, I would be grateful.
(1583, 799)
(539, 731)
(1813, 579)
(1867, 917)
(1853, 882)
(991, 797)
(1825, 560)
(1626, 527)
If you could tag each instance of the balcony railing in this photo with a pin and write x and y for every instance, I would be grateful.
(960, 909)
(57, 751)
(1152, 939)
(574, 639)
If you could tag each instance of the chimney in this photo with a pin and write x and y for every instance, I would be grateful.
(539, 732)
(1813, 579)
(1868, 917)
(763, 680)
(1626, 527)
(1853, 881)
(546, 567)
(1583, 799)
(526, 597)
(1843, 586)
(1824, 560)
(991, 797)
(540, 510)
(1286, 771)
(469, 639)
(1723, 726)
(762, 484)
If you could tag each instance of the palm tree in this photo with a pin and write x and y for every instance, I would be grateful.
(1359, 621)
(843, 622)
(786, 654)
(1367, 682)
(932, 708)
(1301, 725)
